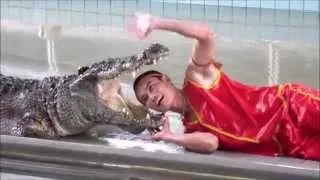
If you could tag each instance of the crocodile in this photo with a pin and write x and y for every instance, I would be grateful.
(63, 105)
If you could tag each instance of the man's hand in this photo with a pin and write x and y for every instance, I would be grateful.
(203, 60)
(165, 133)
(197, 141)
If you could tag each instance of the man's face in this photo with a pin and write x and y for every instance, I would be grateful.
(156, 92)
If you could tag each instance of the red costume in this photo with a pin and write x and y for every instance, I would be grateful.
(281, 120)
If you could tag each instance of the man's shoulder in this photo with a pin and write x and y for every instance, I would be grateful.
(201, 75)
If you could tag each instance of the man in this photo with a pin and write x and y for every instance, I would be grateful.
(220, 113)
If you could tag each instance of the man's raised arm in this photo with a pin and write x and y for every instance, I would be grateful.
(203, 53)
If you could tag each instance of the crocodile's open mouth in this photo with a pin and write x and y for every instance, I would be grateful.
(150, 56)
(111, 93)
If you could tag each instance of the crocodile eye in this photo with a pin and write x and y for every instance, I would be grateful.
(82, 69)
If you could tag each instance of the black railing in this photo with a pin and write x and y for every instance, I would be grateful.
(115, 12)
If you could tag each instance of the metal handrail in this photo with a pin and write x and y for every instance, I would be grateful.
(97, 161)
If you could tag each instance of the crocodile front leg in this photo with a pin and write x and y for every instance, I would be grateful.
(38, 125)
(39, 128)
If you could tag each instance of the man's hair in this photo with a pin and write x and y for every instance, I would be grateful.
(141, 76)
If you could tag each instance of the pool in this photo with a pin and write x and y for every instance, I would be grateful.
(259, 46)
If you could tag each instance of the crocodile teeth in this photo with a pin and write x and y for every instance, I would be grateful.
(125, 65)
(124, 110)
(134, 73)
(155, 62)
(148, 116)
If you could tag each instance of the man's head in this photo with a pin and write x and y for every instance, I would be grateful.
(155, 90)
(135, 117)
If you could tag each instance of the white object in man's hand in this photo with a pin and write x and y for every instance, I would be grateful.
(143, 22)
(141, 25)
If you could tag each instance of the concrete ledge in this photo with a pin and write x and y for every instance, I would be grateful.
(70, 160)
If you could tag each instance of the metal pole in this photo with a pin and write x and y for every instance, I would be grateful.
(136, 4)
(71, 13)
(20, 11)
(246, 12)
(303, 7)
(274, 13)
(124, 13)
(83, 13)
(204, 10)
(218, 11)
(46, 11)
(232, 19)
(190, 8)
(110, 15)
(162, 7)
(260, 13)
(58, 4)
(97, 6)
(177, 8)
(289, 13)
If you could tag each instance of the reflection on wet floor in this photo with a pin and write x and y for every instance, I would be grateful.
(11, 176)
(115, 137)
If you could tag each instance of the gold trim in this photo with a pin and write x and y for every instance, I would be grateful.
(312, 96)
(279, 95)
(211, 127)
(285, 102)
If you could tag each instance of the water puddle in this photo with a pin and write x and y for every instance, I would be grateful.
(126, 140)
(145, 145)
